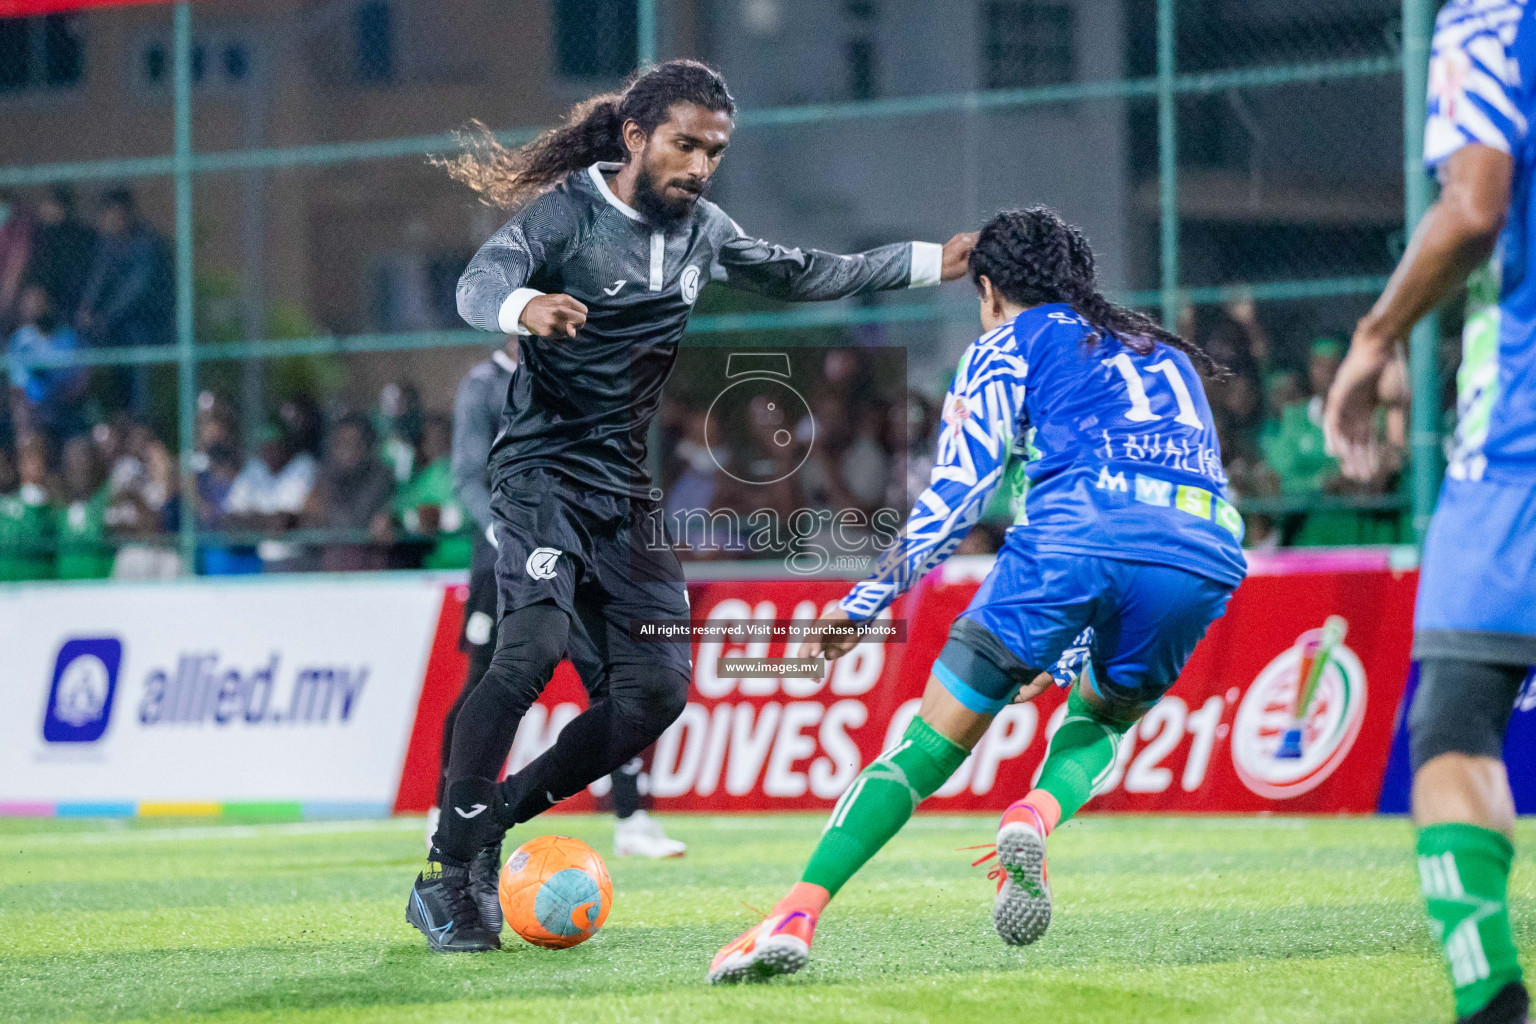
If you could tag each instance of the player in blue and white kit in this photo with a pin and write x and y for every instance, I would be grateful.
(1475, 622)
(1125, 551)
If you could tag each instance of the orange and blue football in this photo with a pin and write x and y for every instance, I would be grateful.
(555, 891)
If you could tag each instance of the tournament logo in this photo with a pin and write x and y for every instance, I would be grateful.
(689, 284)
(1301, 716)
(541, 563)
(84, 685)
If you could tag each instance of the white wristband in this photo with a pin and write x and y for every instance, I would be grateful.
(511, 315)
(927, 264)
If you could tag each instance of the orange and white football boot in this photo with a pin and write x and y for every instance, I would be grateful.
(1022, 909)
(781, 944)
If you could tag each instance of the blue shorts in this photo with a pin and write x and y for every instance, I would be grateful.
(1477, 582)
(1145, 621)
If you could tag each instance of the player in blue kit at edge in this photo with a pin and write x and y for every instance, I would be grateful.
(1475, 619)
(1125, 551)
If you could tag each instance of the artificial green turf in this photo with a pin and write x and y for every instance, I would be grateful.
(1157, 919)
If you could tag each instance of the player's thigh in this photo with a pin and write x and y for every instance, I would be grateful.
(1144, 637)
(635, 603)
(949, 717)
(1478, 574)
(1463, 707)
(588, 656)
(1032, 606)
(541, 545)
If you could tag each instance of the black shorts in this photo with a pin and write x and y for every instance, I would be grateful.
(603, 558)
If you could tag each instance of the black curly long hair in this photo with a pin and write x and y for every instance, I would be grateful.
(592, 131)
(1034, 257)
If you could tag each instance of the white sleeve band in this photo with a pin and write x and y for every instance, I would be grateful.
(927, 264)
(512, 311)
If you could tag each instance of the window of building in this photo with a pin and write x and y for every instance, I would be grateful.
(235, 62)
(595, 39)
(1025, 43)
(63, 51)
(860, 57)
(218, 60)
(373, 42)
(41, 54)
(15, 53)
(859, 53)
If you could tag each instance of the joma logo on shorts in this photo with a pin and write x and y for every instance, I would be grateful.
(541, 563)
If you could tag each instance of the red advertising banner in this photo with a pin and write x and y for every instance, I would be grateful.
(1218, 742)
(25, 8)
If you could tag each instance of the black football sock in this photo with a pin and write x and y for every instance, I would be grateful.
(626, 789)
(467, 823)
(641, 702)
(479, 661)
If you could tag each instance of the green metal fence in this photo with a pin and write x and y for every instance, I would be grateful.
(1390, 55)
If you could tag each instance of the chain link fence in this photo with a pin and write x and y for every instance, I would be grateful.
(213, 293)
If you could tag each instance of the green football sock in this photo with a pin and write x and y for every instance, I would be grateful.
(1464, 871)
(880, 801)
(1080, 756)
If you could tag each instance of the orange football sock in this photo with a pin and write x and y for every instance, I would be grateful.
(806, 896)
(1046, 806)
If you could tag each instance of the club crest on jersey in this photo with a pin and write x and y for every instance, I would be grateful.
(1324, 731)
(541, 563)
(1448, 73)
(956, 411)
(689, 284)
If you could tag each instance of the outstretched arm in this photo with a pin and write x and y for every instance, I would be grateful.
(810, 275)
(981, 414)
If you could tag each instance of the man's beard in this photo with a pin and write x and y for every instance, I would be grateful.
(663, 212)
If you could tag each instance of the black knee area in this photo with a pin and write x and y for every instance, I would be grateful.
(529, 644)
(1461, 707)
(649, 697)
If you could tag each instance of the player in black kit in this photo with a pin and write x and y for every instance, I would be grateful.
(598, 270)
(477, 406)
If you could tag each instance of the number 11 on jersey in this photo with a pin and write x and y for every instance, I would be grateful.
(1141, 405)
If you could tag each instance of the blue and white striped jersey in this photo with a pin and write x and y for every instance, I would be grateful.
(1118, 450)
(1482, 74)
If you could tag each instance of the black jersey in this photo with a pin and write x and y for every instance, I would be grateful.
(583, 405)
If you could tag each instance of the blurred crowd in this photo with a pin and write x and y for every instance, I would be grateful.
(874, 448)
(346, 491)
(88, 490)
(1269, 415)
(68, 284)
(808, 474)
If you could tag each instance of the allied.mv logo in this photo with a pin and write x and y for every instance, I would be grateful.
(84, 684)
(1299, 719)
(541, 563)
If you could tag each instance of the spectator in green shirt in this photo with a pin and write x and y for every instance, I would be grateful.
(80, 524)
(1293, 444)
(1294, 448)
(26, 525)
(427, 505)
